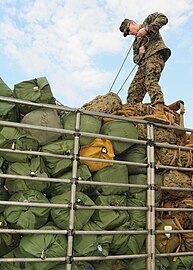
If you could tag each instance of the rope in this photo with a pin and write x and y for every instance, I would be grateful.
(121, 67)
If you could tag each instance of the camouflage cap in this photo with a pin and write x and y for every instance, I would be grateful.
(123, 25)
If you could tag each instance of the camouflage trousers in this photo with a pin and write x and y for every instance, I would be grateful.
(146, 81)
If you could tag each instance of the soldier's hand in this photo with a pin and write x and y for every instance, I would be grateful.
(142, 32)
(141, 51)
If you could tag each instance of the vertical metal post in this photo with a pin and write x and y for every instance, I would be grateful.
(73, 195)
(150, 242)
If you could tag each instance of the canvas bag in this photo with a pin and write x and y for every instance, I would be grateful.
(17, 139)
(8, 111)
(99, 148)
(34, 168)
(83, 173)
(36, 90)
(140, 193)
(107, 103)
(61, 216)
(92, 244)
(116, 173)
(7, 241)
(167, 243)
(44, 246)
(16, 253)
(43, 117)
(27, 217)
(88, 123)
(126, 244)
(110, 219)
(4, 196)
(56, 165)
(120, 129)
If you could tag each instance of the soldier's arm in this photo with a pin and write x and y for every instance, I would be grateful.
(154, 22)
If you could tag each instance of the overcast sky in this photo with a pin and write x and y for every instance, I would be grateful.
(77, 45)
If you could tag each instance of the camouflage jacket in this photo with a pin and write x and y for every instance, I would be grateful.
(153, 41)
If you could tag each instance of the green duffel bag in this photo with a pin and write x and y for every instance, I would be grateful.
(137, 217)
(36, 90)
(120, 129)
(114, 174)
(161, 263)
(47, 118)
(8, 111)
(27, 217)
(17, 139)
(44, 246)
(183, 263)
(88, 123)
(60, 216)
(57, 166)
(4, 196)
(9, 265)
(140, 193)
(34, 168)
(110, 219)
(75, 266)
(91, 244)
(7, 241)
(136, 153)
(127, 244)
(83, 173)
(110, 264)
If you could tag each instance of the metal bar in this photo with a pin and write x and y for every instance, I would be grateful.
(150, 241)
(73, 193)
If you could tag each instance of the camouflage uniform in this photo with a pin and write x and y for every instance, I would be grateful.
(152, 63)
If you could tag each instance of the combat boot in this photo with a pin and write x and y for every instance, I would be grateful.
(158, 116)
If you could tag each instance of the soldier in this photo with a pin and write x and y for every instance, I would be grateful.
(150, 53)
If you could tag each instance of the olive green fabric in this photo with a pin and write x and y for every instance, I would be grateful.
(110, 219)
(47, 118)
(4, 196)
(27, 217)
(17, 139)
(8, 111)
(34, 168)
(88, 123)
(126, 244)
(120, 129)
(92, 245)
(167, 243)
(7, 241)
(137, 217)
(83, 173)
(44, 246)
(114, 174)
(16, 253)
(75, 266)
(136, 153)
(183, 263)
(60, 216)
(140, 263)
(58, 165)
(35, 90)
(140, 193)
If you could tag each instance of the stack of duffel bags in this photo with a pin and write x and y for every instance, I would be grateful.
(49, 166)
